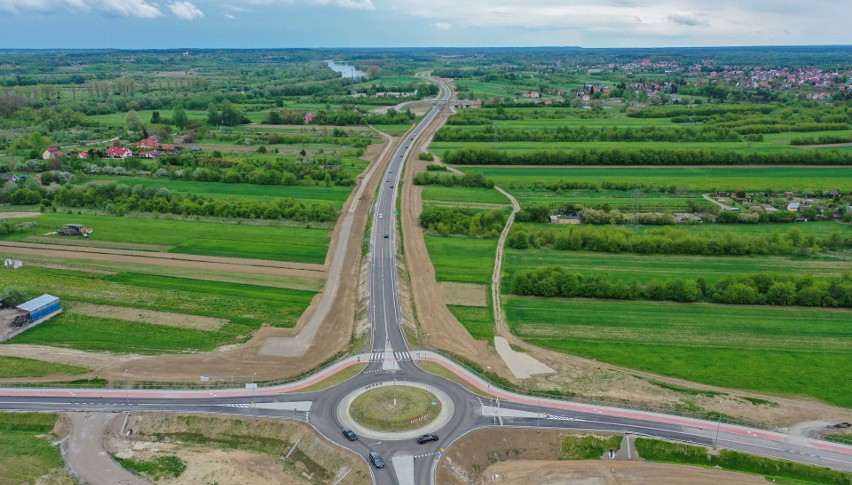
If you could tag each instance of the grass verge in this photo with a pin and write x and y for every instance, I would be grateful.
(342, 376)
(25, 452)
(667, 452)
(587, 447)
(395, 408)
(12, 367)
(158, 468)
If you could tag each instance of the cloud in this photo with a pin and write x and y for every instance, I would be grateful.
(356, 4)
(117, 8)
(229, 16)
(185, 10)
(442, 25)
(687, 19)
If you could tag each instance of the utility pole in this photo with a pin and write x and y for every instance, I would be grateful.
(718, 425)
(126, 390)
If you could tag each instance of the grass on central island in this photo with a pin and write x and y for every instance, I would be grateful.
(376, 410)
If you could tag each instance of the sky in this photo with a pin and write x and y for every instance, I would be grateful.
(148, 24)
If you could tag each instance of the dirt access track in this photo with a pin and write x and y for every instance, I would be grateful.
(521, 456)
(246, 361)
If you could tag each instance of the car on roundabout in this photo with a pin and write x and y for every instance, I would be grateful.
(376, 460)
(350, 435)
(427, 438)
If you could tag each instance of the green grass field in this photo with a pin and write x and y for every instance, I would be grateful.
(462, 259)
(441, 147)
(25, 450)
(246, 305)
(703, 179)
(11, 367)
(463, 195)
(120, 119)
(771, 349)
(646, 267)
(280, 243)
(479, 321)
(110, 335)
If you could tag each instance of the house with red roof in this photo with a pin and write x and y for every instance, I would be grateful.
(119, 152)
(151, 154)
(52, 153)
(309, 117)
(83, 155)
(148, 143)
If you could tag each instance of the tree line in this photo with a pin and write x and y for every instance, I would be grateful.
(587, 134)
(645, 156)
(462, 221)
(120, 199)
(466, 180)
(755, 289)
(615, 239)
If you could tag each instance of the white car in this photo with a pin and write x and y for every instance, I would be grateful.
(380, 216)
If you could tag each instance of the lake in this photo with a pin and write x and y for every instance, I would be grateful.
(346, 70)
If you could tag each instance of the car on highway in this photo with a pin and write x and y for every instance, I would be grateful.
(376, 460)
(426, 438)
(350, 435)
(381, 216)
(387, 236)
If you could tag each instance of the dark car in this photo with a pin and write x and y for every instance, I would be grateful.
(387, 236)
(426, 438)
(376, 460)
(350, 435)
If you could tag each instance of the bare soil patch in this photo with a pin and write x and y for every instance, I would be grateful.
(72, 268)
(18, 215)
(438, 326)
(524, 472)
(467, 294)
(313, 459)
(168, 319)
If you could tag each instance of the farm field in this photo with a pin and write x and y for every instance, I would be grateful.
(26, 452)
(770, 349)
(278, 243)
(12, 367)
(647, 267)
(462, 259)
(523, 146)
(309, 194)
(463, 195)
(248, 307)
(703, 179)
(622, 201)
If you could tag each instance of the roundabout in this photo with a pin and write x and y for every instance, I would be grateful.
(395, 411)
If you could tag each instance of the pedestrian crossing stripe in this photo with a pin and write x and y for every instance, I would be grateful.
(561, 418)
(238, 405)
(378, 356)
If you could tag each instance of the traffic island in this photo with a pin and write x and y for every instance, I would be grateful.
(372, 412)
(395, 408)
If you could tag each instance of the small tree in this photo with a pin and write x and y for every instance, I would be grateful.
(13, 296)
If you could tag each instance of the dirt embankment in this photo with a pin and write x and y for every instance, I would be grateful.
(523, 456)
(438, 326)
(236, 450)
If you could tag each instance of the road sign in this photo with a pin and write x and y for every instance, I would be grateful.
(251, 385)
(204, 378)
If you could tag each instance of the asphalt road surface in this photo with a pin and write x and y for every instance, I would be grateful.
(392, 359)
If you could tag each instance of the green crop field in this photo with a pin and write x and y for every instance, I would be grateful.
(309, 194)
(441, 147)
(11, 367)
(462, 259)
(247, 305)
(704, 179)
(463, 195)
(803, 351)
(623, 203)
(647, 267)
(120, 119)
(280, 243)
(26, 452)
(479, 321)
(110, 335)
